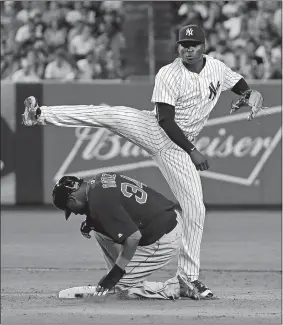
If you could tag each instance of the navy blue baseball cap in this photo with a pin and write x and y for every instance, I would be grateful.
(62, 190)
(191, 33)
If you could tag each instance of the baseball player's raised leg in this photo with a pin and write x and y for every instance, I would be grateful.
(138, 126)
(146, 260)
(184, 181)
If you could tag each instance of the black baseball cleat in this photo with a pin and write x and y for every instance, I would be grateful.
(32, 111)
(187, 290)
(203, 291)
(195, 290)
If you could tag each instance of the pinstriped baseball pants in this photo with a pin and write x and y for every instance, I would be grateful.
(142, 128)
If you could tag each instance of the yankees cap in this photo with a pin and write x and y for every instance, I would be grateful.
(191, 33)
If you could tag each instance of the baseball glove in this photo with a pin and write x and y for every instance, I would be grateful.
(251, 98)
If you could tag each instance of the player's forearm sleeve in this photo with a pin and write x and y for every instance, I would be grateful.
(165, 117)
(240, 87)
(128, 251)
(176, 135)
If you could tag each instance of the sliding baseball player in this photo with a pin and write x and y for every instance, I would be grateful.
(136, 228)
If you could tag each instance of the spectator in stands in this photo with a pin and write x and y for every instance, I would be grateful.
(75, 13)
(89, 68)
(111, 69)
(36, 62)
(26, 32)
(245, 52)
(211, 42)
(82, 44)
(257, 68)
(6, 47)
(32, 31)
(89, 12)
(117, 46)
(53, 12)
(40, 26)
(111, 5)
(8, 12)
(223, 53)
(109, 66)
(5, 57)
(27, 73)
(189, 15)
(111, 35)
(277, 20)
(234, 22)
(276, 63)
(222, 32)
(60, 68)
(77, 29)
(214, 15)
(24, 14)
(56, 34)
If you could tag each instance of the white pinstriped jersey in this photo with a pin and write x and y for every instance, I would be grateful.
(193, 95)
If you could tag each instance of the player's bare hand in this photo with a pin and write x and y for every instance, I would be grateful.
(199, 160)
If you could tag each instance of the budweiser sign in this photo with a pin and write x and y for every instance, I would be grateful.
(236, 148)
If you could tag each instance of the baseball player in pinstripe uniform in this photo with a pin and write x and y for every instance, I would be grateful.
(185, 92)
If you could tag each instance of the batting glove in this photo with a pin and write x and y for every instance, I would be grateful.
(85, 230)
(109, 280)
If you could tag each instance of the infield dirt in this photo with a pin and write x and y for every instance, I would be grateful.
(42, 254)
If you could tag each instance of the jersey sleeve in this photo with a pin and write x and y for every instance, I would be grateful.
(114, 219)
(230, 78)
(166, 87)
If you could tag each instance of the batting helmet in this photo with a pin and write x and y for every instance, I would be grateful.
(61, 191)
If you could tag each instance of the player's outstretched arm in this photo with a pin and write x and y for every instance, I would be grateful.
(240, 87)
(166, 114)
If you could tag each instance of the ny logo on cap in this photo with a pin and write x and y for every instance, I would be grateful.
(189, 32)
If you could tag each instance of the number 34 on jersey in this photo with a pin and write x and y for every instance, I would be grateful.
(128, 186)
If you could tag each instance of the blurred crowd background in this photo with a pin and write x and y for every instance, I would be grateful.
(61, 40)
(86, 40)
(246, 35)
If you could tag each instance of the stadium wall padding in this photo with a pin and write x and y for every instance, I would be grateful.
(245, 157)
(28, 150)
(8, 142)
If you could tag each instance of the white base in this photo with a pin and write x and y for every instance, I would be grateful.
(77, 292)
